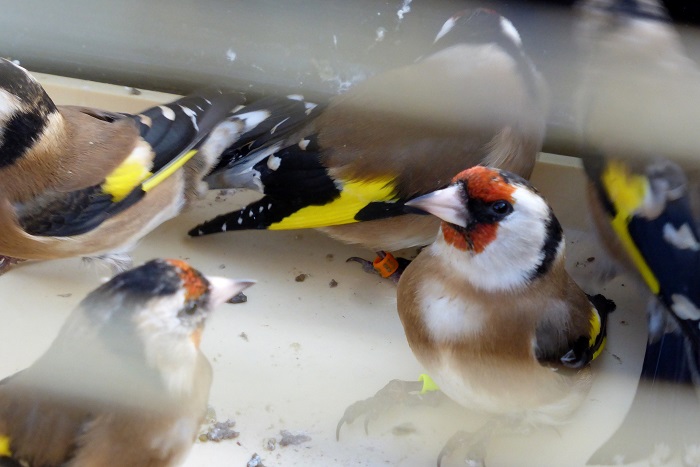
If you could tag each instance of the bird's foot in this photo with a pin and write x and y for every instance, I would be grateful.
(475, 444)
(385, 264)
(394, 393)
(6, 263)
(476, 449)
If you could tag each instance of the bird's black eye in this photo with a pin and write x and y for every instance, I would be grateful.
(501, 208)
(190, 308)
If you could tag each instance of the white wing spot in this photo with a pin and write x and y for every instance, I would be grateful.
(684, 308)
(304, 143)
(192, 114)
(240, 221)
(253, 119)
(167, 112)
(682, 238)
(273, 162)
(223, 228)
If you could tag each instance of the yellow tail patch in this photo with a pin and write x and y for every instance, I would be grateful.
(627, 193)
(354, 196)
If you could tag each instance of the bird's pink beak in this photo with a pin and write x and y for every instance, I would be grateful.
(222, 289)
(449, 204)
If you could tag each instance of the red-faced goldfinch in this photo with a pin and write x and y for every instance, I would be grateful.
(85, 182)
(473, 97)
(124, 383)
(489, 307)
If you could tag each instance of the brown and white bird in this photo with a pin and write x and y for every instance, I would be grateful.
(77, 181)
(489, 310)
(474, 97)
(124, 383)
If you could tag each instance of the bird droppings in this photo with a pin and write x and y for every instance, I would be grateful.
(255, 461)
(293, 439)
(330, 257)
(65, 295)
(590, 259)
(333, 284)
(222, 266)
(133, 91)
(404, 429)
(295, 346)
(623, 322)
(220, 431)
(243, 336)
(301, 277)
(240, 298)
(270, 444)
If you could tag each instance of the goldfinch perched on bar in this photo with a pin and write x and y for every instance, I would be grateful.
(473, 97)
(489, 307)
(125, 382)
(85, 182)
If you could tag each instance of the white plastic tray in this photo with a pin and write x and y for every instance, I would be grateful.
(311, 350)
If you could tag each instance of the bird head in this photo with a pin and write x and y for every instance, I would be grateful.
(497, 229)
(148, 321)
(479, 26)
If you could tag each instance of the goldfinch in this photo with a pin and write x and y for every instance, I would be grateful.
(124, 383)
(488, 307)
(473, 98)
(85, 182)
(638, 91)
(643, 214)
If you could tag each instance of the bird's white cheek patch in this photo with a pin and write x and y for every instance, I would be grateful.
(448, 318)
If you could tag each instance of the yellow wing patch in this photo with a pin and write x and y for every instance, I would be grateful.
(5, 446)
(130, 173)
(354, 196)
(135, 172)
(627, 192)
(595, 331)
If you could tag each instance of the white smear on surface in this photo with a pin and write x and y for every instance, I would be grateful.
(231, 55)
(405, 8)
(380, 34)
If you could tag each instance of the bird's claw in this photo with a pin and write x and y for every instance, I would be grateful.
(476, 454)
(395, 392)
(6, 263)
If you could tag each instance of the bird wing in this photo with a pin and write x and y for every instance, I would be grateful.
(650, 213)
(168, 137)
(299, 190)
